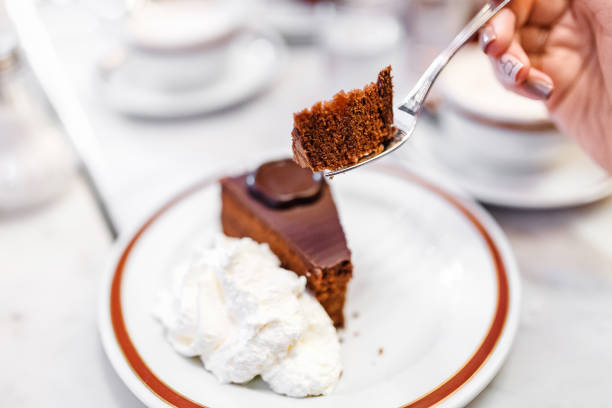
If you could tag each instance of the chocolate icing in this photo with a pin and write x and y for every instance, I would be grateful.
(313, 229)
(282, 184)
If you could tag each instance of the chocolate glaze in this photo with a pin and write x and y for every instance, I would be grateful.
(312, 229)
(282, 184)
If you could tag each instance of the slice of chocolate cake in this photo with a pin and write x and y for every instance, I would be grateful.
(293, 211)
(338, 133)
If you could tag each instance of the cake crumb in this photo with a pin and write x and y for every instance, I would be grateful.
(355, 315)
(380, 351)
(340, 340)
(356, 333)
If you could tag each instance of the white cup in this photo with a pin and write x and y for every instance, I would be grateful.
(486, 124)
(181, 44)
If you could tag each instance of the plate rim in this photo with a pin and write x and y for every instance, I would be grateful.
(460, 388)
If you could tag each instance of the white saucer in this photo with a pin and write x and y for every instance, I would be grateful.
(431, 311)
(255, 60)
(572, 179)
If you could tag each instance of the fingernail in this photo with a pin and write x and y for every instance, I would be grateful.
(487, 36)
(510, 66)
(539, 88)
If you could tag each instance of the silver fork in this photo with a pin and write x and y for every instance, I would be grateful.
(407, 113)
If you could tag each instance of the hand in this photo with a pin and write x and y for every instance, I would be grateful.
(559, 51)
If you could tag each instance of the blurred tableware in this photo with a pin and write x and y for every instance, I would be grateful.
(572, 179)
(182, 44)
(361, 32)
(430, 25)
(45, 65)
(433, 23)
(490, 125)
(36, 164)
(254, 60)
(359, 39)
(298, 21)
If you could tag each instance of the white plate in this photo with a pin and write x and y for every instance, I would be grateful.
(435, 287)
(572, 179)
(255, 59)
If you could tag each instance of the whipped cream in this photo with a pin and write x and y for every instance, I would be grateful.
(244, 315)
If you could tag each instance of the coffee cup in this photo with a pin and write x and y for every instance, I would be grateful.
(486, 124)
(181, 44)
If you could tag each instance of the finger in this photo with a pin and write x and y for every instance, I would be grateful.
(536, 60)
(534, 38)
(512, 67)
(538, 86)
(545, 13)
(515, 71)
(500, 40)
(496, 36)
(522, 9)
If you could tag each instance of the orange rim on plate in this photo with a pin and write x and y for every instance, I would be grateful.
(440, 393)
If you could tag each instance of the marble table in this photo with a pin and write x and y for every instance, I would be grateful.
(51, 258)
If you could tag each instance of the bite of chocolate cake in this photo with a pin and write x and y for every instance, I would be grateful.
(338, 133)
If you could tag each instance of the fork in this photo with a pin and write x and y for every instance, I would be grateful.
(406, 115)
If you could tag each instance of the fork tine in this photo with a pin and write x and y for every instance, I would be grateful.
(400, 137)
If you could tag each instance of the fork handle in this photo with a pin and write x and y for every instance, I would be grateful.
(415, 99)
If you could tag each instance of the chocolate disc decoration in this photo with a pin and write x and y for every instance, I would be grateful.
(283, 183)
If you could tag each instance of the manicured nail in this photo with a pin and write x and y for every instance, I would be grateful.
(510, 66)
(487, 36)
(538, 87)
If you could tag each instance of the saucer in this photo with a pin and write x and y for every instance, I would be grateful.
(255, 58)
(572, 179)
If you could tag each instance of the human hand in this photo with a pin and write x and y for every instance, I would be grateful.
(559, 51)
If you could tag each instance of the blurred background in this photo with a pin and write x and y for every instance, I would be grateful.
(171, 91)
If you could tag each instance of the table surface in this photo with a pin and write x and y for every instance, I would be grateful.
(51, 258)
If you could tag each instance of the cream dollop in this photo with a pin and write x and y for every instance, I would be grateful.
(235, 307)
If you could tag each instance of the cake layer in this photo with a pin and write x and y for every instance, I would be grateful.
(338, 133)
(307, 238)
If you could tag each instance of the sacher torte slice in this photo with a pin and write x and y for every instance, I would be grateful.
(292, 210)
